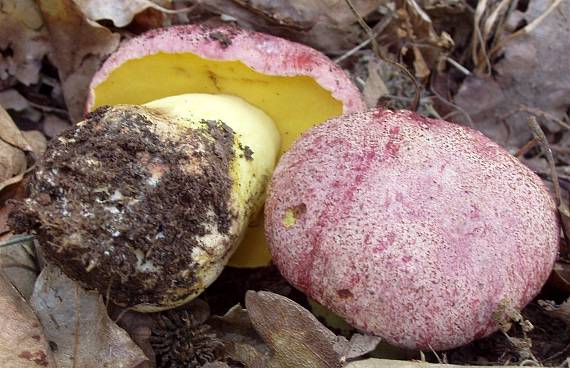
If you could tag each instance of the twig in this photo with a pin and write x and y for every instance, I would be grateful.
(527, 147)
(18, 239)
(527, 29)
(538, 133)
(536, 112)
(449, 103)
(121, 315)
(562, 206)
(379, 29)
(376, 48)
(478, 41)
(458, 66)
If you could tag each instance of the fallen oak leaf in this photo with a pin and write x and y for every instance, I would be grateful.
(139, 327)
(529, 73)
(561, 311)
(13, 148)
(359, 345)
(10, 134)
(18, 261)
(120, 12)
(22, 341)
(242, 342)
(295, 337)
(76, 321)
(328, 26)
(78, 47)
(21, 34)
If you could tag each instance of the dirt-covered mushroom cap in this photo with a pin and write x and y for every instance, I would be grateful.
(295, 85)
(146, 204)
(413, 229)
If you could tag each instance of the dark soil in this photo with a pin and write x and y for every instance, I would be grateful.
(113, 196)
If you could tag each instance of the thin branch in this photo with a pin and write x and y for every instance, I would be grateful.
(18, 239)
(562, 206)
(376, 48)
(378, 29)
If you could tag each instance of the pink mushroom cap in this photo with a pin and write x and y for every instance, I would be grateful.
(261, 52)
(410, 228)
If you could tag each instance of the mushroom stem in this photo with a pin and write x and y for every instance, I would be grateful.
(149, 202)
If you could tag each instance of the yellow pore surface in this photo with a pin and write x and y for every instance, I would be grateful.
(294, 104)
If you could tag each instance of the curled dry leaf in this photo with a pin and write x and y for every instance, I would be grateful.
(10, 133)
(53, 125)
(242, 342)
(18, 263)
(22, 341)
(78, 46)
(530, 74)
(120, 12)
(23, 41)
(36, 140)
(139, 327)
(374, 86)
(360, 345)
(561, 311)
(295, 337)
(415, 27)
(328, 26)
(76, 321)
(13, 146)
(11, 99)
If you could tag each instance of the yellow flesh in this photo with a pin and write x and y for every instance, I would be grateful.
(293, 103)
(253, 129)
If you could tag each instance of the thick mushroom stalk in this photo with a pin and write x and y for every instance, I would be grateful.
(147, 203)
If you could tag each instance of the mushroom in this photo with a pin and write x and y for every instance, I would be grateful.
(295, 85)
(410, 228)
(147, 199)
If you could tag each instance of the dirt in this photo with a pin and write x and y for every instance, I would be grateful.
(96, 204)
(549, 340)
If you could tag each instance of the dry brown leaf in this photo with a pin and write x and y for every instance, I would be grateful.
(23, 40)
(374, 87)
(22, 341)
(18, 263)
(10, 133)
(295, 337)
(139, 327)
(11, 99)
(36, 140)
(561, 311)
(77, 322)
(328, 25)
(53, 125)
(359, 345)
(13, 162)
(78, 47)
(236, 331)
(414, 26)
(533, 72)
(120, 12)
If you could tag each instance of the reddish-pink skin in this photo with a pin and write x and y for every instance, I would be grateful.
(261, 52)
(410, 228)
